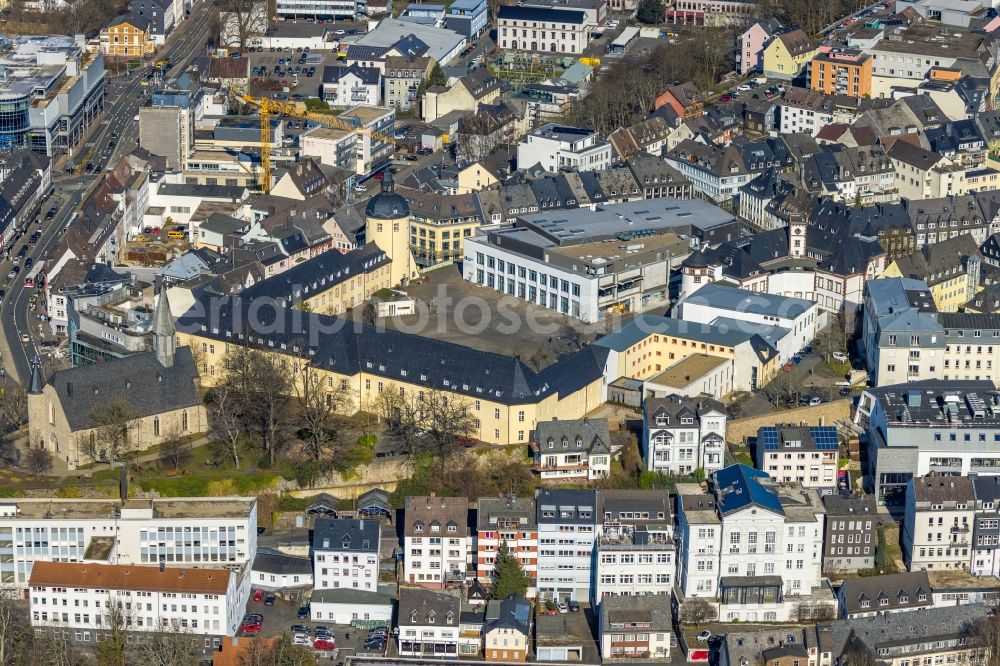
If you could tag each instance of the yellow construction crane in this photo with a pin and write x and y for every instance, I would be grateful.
(269, 107)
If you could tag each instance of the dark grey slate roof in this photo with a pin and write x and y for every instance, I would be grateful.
(145, 385)
(346, 535)
(346, 347)
(514, 612)
(590, 435)
(560, 506)
(900, 591)
(281, 564)
(314, 276)
(417, 605)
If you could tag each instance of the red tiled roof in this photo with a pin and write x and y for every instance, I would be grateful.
(123, 577)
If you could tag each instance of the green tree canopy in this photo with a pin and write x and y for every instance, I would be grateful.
(508, 577)
(651, 12)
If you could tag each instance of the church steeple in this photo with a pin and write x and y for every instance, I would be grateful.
(163, 329)
(37, 381)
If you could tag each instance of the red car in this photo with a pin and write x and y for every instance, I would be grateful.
(250, 628)
(726, 98)
(323, 644)
(258, 595)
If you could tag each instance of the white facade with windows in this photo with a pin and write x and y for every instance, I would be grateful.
(345, 554)
(683, 434)
(530, 279)
(541, 29)
(755, 546)
(557, 147)
(178, 532)
(566, 534)
(437, 543)
(79, 598)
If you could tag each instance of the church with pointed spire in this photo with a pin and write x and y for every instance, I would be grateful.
(158, 390)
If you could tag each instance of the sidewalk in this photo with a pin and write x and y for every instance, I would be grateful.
(62, 470)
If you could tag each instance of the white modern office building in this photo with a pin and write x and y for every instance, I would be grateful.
(616, 258)
(191, 532)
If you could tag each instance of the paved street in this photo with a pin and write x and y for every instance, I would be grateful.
(123, 98)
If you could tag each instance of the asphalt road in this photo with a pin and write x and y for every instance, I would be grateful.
(124, 96)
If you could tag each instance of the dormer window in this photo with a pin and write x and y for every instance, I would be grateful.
(565, 443)
(551, 443)
(449, 618)
(431, 617)
(579, 442)
(413, 617)
(884, 601)
(903, 599)
(418, 527)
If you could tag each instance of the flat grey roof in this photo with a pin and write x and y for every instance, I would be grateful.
(749, 302)
(634, 218)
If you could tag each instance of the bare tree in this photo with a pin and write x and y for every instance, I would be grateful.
(696, 610)
(261, 385)
(276, 652)
(15, 631)
(174, 646)
(226, 419)
(240, 21)
(480, 135)
(986, 633)
(427, 422)
(13, 407)
(111, 650)
(321, 407)
(175, 450)
(38, 461)
(113, 426)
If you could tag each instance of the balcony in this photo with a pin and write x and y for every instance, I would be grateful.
(544, 467)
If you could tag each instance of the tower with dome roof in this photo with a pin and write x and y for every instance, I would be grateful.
(387, 224)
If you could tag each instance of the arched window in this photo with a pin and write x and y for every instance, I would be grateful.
(156, 426)
(184, 420)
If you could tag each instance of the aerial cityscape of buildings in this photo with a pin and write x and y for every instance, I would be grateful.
(565, 331)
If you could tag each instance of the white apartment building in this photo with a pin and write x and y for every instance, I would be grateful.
(986, 531)
(566, 533)
(635, 553)
(755, 546)
(216, 531)
(375, 131)
(937, 525)
(428, 622)
(801, 454)
(680, 435)
(543, 29)
(506, 522)
(347, 85)
(345, 553)
(436, 541)
(78, 598)
(556, 147)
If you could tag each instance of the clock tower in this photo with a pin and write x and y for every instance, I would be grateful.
(797, 231)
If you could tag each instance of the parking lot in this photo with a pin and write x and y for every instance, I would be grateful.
(282, 615)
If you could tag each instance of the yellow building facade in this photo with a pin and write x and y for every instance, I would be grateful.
(127, 37)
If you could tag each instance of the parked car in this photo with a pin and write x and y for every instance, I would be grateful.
(300, 639)
(302, 613)
(323, 644)
(845, 391)
(703, 636)
(258, 595)
(299, 629)
(574, 606)
(562, 607)
(840, 357)
(726, 98)
(269, 600)
(815, 400)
